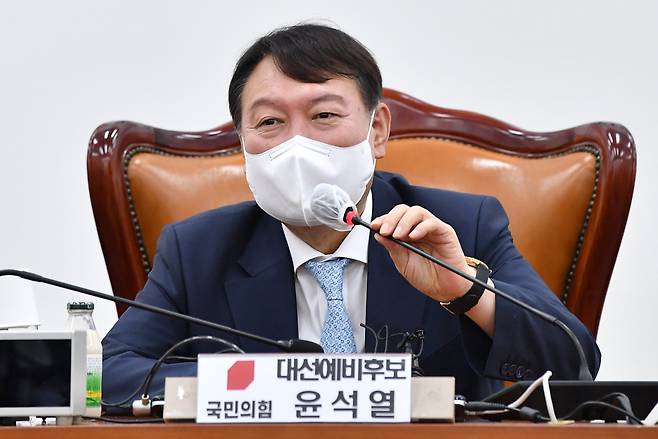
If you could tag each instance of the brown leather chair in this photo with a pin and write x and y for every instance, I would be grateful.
(567, 193)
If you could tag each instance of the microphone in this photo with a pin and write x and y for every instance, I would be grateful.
(330, 205)
(292, 346)
(333, 207)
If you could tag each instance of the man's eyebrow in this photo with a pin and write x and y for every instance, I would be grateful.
(328, 97)
(262, 102)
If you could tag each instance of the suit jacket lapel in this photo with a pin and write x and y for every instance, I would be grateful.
(262, 297)
(391, 299)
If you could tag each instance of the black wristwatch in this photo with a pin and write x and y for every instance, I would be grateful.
(472, 296)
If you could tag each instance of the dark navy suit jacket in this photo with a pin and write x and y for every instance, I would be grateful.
(232, 266)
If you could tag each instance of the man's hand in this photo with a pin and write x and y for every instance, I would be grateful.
(425, 231)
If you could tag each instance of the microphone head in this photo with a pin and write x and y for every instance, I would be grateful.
(297, 346)
(329, 204)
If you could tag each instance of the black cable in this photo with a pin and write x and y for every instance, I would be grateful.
(377, 336)
(231, 346)
(122, 404)
(183, 358)
(621, 398)
(479, 408)
(422, 347)
(179, 359)
(630, 417)
(125, 421)
(584, 373)
(154, 368)
(407, 337)
(292, 346)
(226, 351)
(528, 413)
(373, 333)
(410, 337)
(409, 340)
(385, 337)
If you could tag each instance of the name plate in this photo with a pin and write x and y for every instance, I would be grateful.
(254, 388)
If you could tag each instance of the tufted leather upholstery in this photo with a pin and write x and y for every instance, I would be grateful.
(169, 188)
(545, 198)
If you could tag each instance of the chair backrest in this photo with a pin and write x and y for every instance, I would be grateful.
(567, 193)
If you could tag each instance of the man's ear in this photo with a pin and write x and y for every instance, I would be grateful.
(381, 128)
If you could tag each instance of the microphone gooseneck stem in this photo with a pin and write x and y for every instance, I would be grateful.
(283, 345)
(583, 371)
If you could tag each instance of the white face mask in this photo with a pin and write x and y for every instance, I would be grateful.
(282, 178)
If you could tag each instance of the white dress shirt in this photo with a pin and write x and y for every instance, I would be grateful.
(311, 300)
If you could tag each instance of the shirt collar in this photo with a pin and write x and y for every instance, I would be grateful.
(354, 246)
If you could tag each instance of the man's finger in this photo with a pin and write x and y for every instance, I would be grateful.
(422, 229)
(411, 218)
(390, 220)
(399, 255)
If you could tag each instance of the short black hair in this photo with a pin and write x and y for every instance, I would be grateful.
(309, 53)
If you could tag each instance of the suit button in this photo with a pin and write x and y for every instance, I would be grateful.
(512, 369)
(504, 369)
(519, 372)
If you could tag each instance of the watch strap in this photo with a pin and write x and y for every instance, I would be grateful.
(472, 297)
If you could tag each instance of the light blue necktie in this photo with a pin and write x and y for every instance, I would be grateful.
(337, 335)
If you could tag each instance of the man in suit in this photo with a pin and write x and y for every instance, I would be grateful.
(306, 101)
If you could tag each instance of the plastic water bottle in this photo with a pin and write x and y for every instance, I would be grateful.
(80, 318)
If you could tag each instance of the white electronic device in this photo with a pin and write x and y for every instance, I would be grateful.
(42, 373)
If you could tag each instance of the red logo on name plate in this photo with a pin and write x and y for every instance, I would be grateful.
(240, 375)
